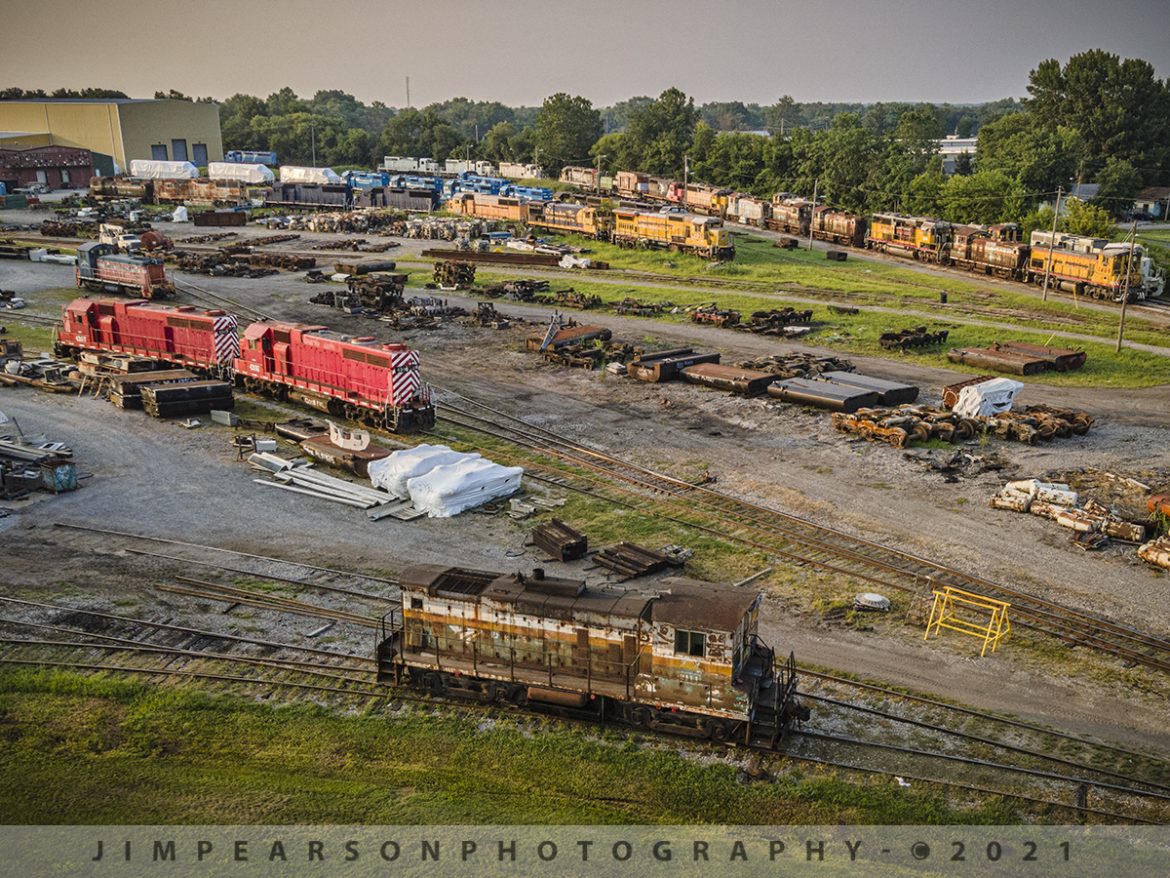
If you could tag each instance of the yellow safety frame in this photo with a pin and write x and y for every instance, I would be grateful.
(944, 614)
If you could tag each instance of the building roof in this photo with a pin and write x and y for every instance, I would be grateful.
(80, 100)
(1150, 193)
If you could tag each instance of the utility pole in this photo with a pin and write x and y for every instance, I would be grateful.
(1125, 290)
(816, 182)
(1051, 242)
(600, 158)
(313, 135)
(408, 92)
(686, 180)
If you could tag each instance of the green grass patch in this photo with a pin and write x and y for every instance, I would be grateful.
(859, 333)
(101, 750)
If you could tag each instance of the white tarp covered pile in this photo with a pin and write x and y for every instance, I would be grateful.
(454, 487)
(295, 174)
(244, 173)
(393, 472)
(442, 482)
(992, 397)
(144, 169)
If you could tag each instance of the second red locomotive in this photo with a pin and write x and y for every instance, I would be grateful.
(353, 377)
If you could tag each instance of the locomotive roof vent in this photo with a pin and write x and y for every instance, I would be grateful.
(215, 312)
(186, 308)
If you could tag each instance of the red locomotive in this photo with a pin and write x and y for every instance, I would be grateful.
(356, 378)
(101, 267)
(206, 341)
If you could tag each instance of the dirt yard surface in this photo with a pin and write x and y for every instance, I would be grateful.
(156, 478)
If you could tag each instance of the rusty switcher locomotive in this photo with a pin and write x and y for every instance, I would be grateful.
(683, 659)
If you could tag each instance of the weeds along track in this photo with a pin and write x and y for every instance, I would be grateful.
(802, 541)
(142, 647)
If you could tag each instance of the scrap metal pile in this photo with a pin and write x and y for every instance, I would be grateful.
(238, 261)
(1093, 523)
(43, 373)
(455, 275)
(637, 308)
(357, 245)
(919, 423)
(32, 463)
(906, 339)
(71, 228)
(797, 365)
(711, 313)
(1019, 358)
(784, 321)
(519, 290)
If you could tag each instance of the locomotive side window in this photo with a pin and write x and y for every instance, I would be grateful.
(416, 603)
(690, 643)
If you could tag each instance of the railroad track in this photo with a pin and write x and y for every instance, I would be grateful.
(805, 542)
(183, 652)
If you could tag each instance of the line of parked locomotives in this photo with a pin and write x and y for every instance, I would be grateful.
(1086, 266)
(347, 376)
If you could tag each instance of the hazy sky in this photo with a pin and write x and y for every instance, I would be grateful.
(520, 51)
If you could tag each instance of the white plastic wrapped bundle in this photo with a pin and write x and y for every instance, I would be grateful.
(451, 489)
(991, 397)
(296, 174)
(243, 173)
(146, 169)
(393, 472)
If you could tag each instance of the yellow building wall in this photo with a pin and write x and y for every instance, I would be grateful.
(125, 131)
(151, 122)
(90, 126)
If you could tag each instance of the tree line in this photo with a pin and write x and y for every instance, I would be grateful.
(1096, 118)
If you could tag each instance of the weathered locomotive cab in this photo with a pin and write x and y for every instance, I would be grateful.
(917, 237)
(684, 659)
(101, 267)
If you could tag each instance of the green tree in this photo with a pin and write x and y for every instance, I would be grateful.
(1087, 219)
(921, 196)
(566, 127)
(1119, 183)
(419, 133)
(663, 131)
(1037, 156)
(984, 197)
(1119, 108)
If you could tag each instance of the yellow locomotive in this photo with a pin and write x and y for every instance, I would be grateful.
(682, 232)
(1085, 266)
(685, 658)
(920, 237)
(579, 219)
(497, 207)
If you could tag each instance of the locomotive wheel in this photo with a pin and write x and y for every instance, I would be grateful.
(435, 683)
(498, 693)
(642, 717)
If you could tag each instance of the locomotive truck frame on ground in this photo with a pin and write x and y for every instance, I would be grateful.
(685, 659)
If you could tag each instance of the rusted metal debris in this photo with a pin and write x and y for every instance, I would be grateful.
(569, 335)
(455, 275)
(557, 540)
(638, 308)
(1156, 552)
(714, 315)
(844, 309)
(906, 339)
(629, 560)
(357, 245)
(590, 355)
(905, 424)
(797, 365)
(747, 382)
(1093, 523)
(487, 256)
(1019, 358)
(520, 290)
(657, 366)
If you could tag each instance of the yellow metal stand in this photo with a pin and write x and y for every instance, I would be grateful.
(949, 602)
